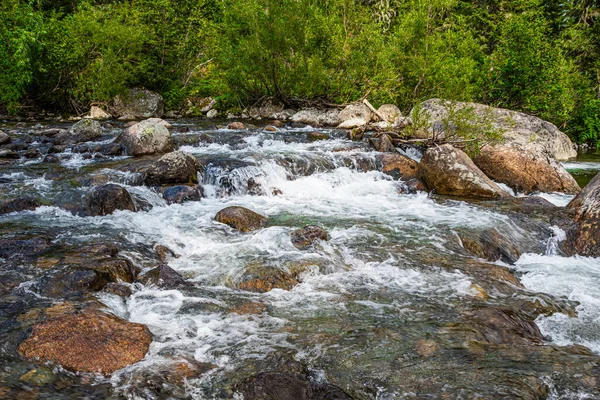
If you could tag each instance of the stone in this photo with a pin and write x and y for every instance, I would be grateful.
(23, 246)
(241, 218)
(525, 170)
(83, 131)
(261, 279)
(106, 199)
(354, 115)
(99, 114)
(278, 386)
(492, 246)
(583, 237)
(212, 114)
(164, 277)
(174, 167)
(284, 115)
(307, 236)
(10, 154)
(270, 128)
(118, 289)
(145, 138)
(383, 144)
(38, 377)
(390, 113)
(314, 136)
(503, 326)
(71, 282)
(90, 341)
(181, 194)
(265, 108)
(19, 204)
(399, 166)
(238, 126)
(4, 138)
(199, 105)
(517, 128)
(316, 118)
(139, 103)
(450, 171)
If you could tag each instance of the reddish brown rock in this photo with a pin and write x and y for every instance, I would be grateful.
(399, 166)
(450, 171)
(241, 218)
(307, 236)
(236, 126)
(90, 341)
(525, 170)
(584, 237)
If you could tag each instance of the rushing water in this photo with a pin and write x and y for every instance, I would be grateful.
(392, 276)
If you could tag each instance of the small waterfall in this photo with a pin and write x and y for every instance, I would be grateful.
(558, 235)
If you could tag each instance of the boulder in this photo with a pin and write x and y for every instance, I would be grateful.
(139, 104)
(266, 108)
(399, 166)
(241, 218)
(83, 131)
(584, 237)
(354, 115)
(144, 138)
(383, 144)
(238, 126)
(212, 114)
(106, 199)
(174, 167)
(516, 128)
(99, 114)
(23, 247)
(20, 204)
(390, 113)
(164, 277)
(278, 386)
(450, 171)
(315, 118)
(181, 194)
(10, 154)
(283, 115)
(90, 341)
(307, 236)
(4, 138)
(199, 105)
(525, 170)
(492, 245)
(160, 121)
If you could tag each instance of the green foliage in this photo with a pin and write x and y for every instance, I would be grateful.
(541, 57)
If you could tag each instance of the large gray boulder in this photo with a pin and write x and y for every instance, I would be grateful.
(146, 137)
(450, 171)
(139, 103)
(354, 115)
(583, 237)
(519, 129)
(174, 167)
(83, 131)
(315, 118)
(266, 108)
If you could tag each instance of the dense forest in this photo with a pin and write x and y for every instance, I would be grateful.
(541, 57)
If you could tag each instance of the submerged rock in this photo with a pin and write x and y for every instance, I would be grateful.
(314, 136)
(20, 204)
(23, 246)
(307, 236)
(277, 386)
(164, 277)
(491, 245)
(139, 103)
(174, 167)
(90, 341)
(106, 199)
(450, 171)
(241, 218)
(525, 170)
(144, 138)
(584, 237)
(261, 279)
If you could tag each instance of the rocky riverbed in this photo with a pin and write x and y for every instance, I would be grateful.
(276, 261)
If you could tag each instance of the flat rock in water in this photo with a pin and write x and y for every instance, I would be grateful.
(90, 341)
(450, 171)
(241, 218)
(277, 386)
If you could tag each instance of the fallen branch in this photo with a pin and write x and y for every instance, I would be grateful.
(373, 110)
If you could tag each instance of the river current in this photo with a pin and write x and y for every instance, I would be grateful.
(393, 281)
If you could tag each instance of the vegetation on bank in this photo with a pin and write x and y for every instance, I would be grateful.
(542, 57)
